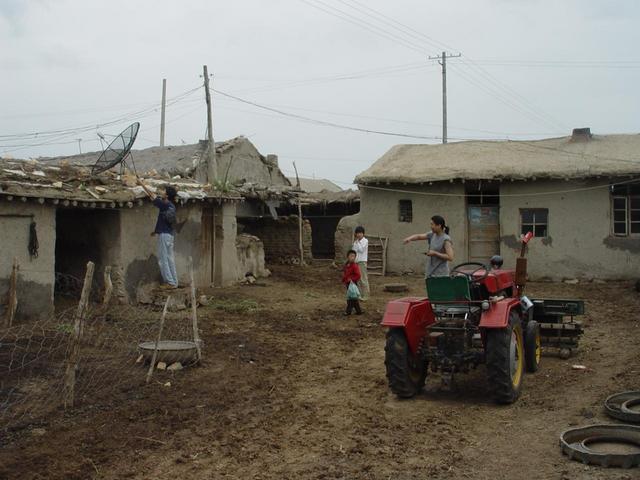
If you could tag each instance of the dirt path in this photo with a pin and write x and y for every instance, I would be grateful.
(292, 389)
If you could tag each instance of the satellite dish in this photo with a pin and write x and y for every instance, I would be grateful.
(117, 150)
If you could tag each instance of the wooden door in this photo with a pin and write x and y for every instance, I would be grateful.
(484, 232)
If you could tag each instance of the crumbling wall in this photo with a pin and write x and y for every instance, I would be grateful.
(344, 236)
(281, 238)
(250, 250)
(36, 277)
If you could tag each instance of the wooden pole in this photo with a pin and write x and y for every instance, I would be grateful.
(297, 177)
(76, 338)
(300, 232)
(155, 350)
(213, 249)
(194, 313)
(164, 105)
(212, 168)
(299, 217)
(12, 304)
(108, 285)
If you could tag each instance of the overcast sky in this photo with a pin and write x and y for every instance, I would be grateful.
(529, 69)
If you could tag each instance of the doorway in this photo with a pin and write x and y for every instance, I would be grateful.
(483, 220)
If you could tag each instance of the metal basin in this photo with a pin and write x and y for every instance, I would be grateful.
(170, 351)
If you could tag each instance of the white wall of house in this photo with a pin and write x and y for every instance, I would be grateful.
(36, 278)
(579, 242)
(379, 214)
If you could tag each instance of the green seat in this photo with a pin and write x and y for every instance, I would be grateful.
(448, 289)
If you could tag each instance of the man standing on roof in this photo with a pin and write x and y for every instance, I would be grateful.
(440, 251)
(165, 231)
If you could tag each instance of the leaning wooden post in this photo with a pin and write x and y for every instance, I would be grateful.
(299, 216)
(76, 338)
(155, 350)
(108, 285)
(300, 228)
(12, 304)
(194, 313)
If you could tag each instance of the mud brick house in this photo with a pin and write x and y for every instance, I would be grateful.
(580, 195)
(77, 217)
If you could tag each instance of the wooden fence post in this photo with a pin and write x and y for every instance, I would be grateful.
(194, 313)
(76, 338)
(108, 285)
(12, 304)
(155, 350)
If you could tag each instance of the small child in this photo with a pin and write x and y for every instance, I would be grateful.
(351, 273)
(361, 247)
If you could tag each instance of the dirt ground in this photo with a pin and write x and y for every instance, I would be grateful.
(289, 388)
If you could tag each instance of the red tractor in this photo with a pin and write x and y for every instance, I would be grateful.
(475, 316)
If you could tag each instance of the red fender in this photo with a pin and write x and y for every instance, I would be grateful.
(414, 314)
(498, 314)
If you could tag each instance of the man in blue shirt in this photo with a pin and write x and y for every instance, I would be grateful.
(165, 232)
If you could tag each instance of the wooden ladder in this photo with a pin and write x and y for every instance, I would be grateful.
(377, 258)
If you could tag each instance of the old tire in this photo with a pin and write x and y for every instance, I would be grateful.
(505, 360)
(532, 346)
(406, 372)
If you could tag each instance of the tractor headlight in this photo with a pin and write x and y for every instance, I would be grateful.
(485, 305)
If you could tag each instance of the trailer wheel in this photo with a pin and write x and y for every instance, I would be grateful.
(505, 360)
(532, 346)
(406, 372)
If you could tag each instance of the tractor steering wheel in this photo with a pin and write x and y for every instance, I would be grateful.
(471, 275)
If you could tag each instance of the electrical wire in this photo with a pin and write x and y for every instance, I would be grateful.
(124, 117)
(322, 122)
(418, 36)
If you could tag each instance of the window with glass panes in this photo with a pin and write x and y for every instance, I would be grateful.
(405, 213)
(534, 220)
(625, 209)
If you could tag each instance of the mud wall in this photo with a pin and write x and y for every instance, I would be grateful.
(139, 258)
(579, 243)
(379, 215)
(36, 279)
(281, 238)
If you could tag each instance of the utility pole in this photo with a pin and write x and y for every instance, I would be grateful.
(164, 106)
(212, 169)
(442, 60)
(79, 140)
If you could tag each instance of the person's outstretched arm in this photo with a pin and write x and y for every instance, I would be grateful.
(149, 193)
(413, 238)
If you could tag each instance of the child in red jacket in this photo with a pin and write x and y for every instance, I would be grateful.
(351, 273)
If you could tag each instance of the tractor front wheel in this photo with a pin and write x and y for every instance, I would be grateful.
(406, 372)
(505, 360)
(532, 346)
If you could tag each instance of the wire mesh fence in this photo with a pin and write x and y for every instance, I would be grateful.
(36, 356)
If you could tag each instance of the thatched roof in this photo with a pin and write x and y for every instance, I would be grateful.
(565, 157)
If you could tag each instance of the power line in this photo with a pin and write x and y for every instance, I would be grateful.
(409, 122)
(406, 30)
(322, 122)
(363, 24)
(130, 115)
(372, 73)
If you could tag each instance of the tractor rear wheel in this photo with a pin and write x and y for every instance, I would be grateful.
(406, 372)
(505, 360)
(532, 346)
